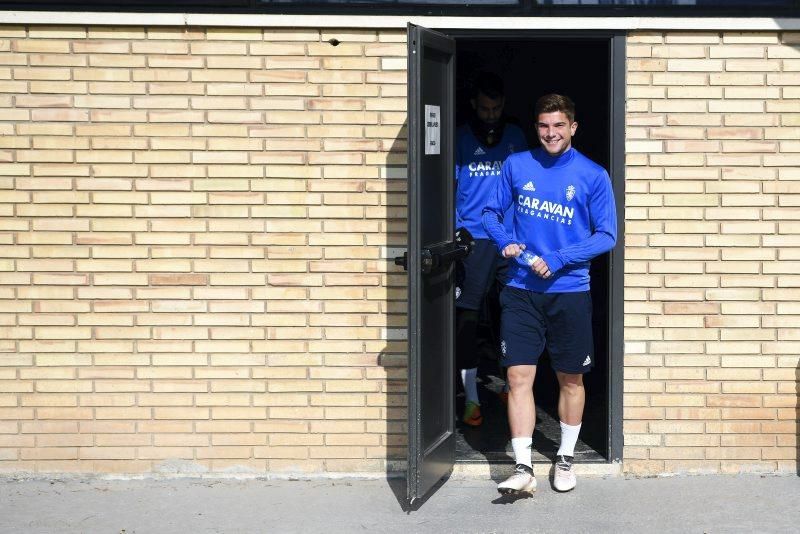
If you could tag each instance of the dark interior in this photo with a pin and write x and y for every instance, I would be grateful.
(531, 68)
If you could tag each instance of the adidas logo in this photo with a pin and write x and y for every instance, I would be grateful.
(528, 187)
(479, 152)
(587, 361)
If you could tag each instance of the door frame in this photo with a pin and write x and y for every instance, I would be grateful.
(616, 135)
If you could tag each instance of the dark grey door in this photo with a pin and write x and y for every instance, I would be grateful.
(431, 419)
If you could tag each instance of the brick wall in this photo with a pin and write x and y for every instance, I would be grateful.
(194, 226)
(712, 322)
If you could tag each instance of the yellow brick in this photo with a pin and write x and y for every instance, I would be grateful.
(385, 50)
(752, 65)
(694, 119)
(680, 79)
(749, 37)
(388, 64)
(330, 451)
(234, 34)
(735, 106)
(737, 51)
(345, 63)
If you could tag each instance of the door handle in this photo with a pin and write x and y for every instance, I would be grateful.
(441, 254)
(425, 259)
(402, 261)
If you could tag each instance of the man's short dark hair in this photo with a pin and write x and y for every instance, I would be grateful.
(554, 103)
(489, 84)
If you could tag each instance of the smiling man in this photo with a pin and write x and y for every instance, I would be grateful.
(564, 214)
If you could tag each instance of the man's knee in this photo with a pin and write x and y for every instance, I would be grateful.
(570, 384)
(521, 376)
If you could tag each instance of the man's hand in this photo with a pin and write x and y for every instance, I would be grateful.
(513, 250)
(541, 269)
(539, 266)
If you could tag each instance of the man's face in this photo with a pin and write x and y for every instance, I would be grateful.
(555, 132)
(488, 110)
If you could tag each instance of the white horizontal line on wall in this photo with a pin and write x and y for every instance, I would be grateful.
(354, 21)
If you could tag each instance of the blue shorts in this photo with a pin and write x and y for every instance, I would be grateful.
(479, 271)
(561, 321)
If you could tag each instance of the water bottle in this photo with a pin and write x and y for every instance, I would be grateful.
(527, 258)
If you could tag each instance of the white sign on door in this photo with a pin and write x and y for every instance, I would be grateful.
(432, 130)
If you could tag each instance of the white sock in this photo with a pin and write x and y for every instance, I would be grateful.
(469, 379)
(569, 437)
(522, 451)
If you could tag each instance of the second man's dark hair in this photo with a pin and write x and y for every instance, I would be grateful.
(553, 103)
(489, 84)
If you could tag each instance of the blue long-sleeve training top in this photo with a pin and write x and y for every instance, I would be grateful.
(478, 171)
(563, 211)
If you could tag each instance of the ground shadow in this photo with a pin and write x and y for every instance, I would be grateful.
(399, 487)
(396, 425)
(394, 359)
(512, 498)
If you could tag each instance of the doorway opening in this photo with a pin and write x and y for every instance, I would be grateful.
(530, 67)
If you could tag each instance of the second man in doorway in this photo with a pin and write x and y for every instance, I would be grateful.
(482, 146)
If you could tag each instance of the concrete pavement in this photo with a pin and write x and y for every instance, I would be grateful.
(702, 504)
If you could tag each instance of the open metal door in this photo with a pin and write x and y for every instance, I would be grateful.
(429, 260)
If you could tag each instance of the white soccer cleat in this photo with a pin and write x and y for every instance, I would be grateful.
(564, 476)
(522, 481)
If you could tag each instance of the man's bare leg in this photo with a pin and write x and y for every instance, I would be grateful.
(521, 419)
(521, 408)
(521, 411)
(571, 398)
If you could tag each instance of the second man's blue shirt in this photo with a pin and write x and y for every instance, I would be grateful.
(478, 171)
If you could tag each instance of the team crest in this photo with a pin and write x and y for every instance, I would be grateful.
(570, 192)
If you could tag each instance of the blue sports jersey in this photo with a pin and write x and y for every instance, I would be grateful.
(477, 172)
(563, 211)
